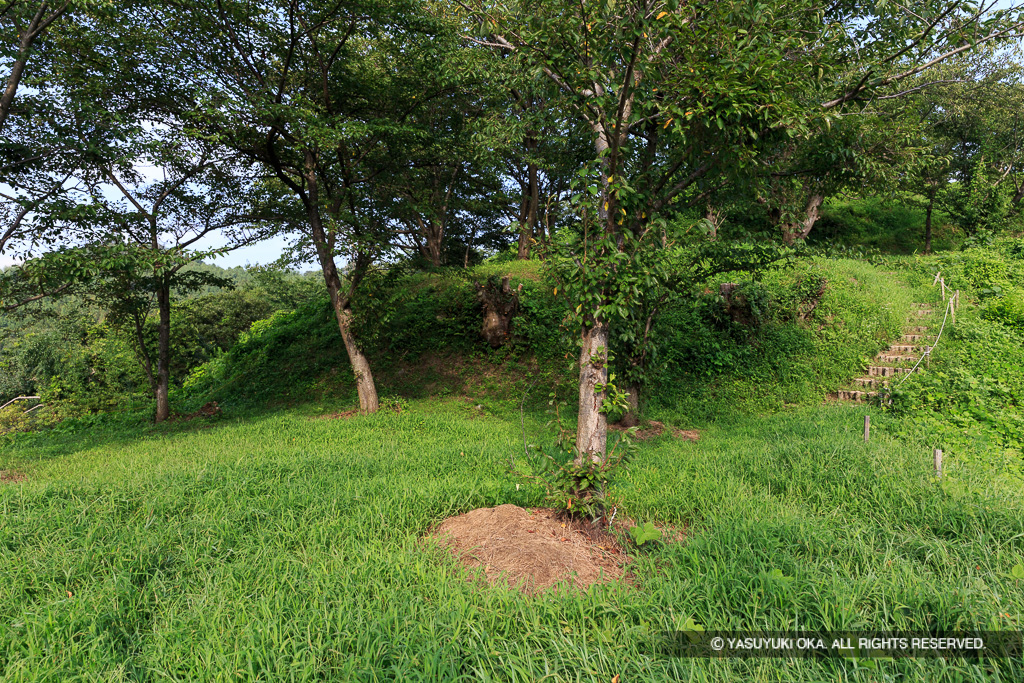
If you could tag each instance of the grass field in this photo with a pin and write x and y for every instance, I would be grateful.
(279, 547)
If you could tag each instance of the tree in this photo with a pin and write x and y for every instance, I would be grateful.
(861, 150)
(81, 78)
(962, 117)
(679, 96)
(446, 198)
(979, 125)
(322, 95)
(130, 237)
(24, 23)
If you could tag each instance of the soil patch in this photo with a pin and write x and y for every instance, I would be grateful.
(532, 550)
(687, 434)
(210, 409)
(337, 416)
(11, 477)
(654, 428)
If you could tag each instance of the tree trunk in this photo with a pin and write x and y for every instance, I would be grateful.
(592, 427)
(714, 218)
(792, 231)
(469, 246)
(368, 401)
(524, 228)
(500, 306)
(928, 224)
(531, 217)
(433, 233)
(1018, 195)
(163, 350)
(592, 424)
(145, 358)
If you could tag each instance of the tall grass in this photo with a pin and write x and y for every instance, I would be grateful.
(283, 547)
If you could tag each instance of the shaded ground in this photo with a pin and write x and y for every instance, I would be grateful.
(654, 428)
(343, 415)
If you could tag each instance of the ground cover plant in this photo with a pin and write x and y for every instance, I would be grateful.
(280, 546)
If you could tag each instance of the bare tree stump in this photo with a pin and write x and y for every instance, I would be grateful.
(501, 303)
(631, 418)
(726, 289)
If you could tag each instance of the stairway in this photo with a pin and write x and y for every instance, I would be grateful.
(897, 360)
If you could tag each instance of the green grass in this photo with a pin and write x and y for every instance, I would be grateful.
(279, 547)
(890, 227)
(786, 362)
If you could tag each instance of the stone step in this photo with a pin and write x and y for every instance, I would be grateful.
(852, 395)
(913, 338)
(873, 382)
(918, 329)
(892, 358)
(924, 311)
(903, 348)
(885, 371)
(918, 304)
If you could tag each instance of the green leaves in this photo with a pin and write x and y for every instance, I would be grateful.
(646, 532)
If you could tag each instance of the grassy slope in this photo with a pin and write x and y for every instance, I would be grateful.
(272, 546)
(280, 547)
(431, 344)
(783, 364)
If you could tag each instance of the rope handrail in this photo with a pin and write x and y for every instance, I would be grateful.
(953, 299)
(19, 398)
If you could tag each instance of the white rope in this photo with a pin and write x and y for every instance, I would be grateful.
(20, 398)
(928, 350)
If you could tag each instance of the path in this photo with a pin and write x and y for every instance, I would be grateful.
(898, 359)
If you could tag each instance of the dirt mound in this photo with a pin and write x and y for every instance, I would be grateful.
(532, 549)
(11, 477)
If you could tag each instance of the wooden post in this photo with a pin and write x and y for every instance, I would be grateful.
(867, 428)
(938, 462)
(937, 276)
(943, 289)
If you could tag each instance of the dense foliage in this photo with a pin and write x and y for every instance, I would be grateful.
(972, 402)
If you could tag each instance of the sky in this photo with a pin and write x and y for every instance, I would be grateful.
(261, 253)
(257, 254)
